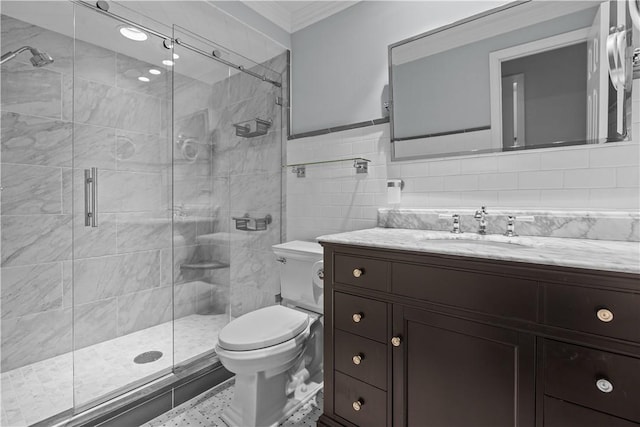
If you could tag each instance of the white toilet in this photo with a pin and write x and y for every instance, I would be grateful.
(276, 352)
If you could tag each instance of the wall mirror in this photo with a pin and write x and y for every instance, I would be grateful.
(526, 75)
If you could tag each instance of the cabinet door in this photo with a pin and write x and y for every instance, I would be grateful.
(454, 372)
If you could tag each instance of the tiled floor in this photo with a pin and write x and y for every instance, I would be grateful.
(205, 410)
(40, 390)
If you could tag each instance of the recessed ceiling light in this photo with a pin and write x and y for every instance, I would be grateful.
(143, 79)
(133, 33)
(176, 56)
(168, 63)
(154, 71)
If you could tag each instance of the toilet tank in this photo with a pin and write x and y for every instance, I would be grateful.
(297, 284)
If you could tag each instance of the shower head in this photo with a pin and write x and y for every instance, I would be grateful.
(38, 59)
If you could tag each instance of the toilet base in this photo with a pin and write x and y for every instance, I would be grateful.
(271, 408)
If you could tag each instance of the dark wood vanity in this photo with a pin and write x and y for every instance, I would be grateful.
(424, 339)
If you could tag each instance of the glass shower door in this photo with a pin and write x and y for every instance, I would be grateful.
(36, 230)
(201, 200)
(122, 208)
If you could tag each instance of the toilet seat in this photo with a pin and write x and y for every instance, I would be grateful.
(262, 328)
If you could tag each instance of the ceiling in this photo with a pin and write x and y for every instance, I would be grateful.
(296, 15)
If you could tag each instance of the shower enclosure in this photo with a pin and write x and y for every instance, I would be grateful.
(122, 173)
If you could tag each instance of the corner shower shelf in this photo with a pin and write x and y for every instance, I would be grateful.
(300, 169)
(212, 265)
(251, 128)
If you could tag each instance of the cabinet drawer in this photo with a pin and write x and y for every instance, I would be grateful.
(370, 363)
(372, 316)
(373, 409)
(577, 308)
(365, 272)
(572, 373)
(558, 413)
(502, 296)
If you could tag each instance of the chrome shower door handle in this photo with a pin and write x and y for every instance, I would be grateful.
(94, 198)
(91, 197)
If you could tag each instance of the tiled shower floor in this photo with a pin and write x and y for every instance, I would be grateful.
(204, 410)
(40, 390)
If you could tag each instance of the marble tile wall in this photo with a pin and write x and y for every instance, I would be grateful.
(249, 171)
(54, 125)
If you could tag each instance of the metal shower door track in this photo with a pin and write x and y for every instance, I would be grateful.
(177, 41)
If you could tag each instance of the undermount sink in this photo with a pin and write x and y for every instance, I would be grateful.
(477, 241)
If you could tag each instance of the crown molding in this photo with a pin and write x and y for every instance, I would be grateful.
(300, 18)
(274, 12)
(317, 11)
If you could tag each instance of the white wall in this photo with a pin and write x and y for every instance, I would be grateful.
(339, 64)
(332, 198)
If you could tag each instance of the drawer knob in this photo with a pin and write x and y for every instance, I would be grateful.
(357, 359)
(357, 317)
(604, 315)
(395, 341)
(604, 385)
(357, 405)
(357, 272)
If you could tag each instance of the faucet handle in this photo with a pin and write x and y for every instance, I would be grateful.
(511, 223)
(456, 222)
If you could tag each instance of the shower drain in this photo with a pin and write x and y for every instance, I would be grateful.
(148, 357)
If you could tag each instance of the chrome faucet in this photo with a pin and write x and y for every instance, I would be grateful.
(480, 216)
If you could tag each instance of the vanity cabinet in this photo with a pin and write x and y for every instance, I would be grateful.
(424, 339)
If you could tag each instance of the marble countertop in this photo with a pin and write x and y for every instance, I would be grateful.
(582, 253)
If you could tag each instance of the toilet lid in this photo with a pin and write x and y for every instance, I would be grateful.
(262, 328)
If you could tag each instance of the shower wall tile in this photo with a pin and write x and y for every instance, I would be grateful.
(94, 241)
(141, 232)
(67, 190)
(35, 141)
(35, 239)
(94, 147)
(94, 62)
(184, 300)
(144, 309)
(105, 277)
(141, 152)
(31, 190)
(256, 193)
(31, 289)
(67, 284)
(29, 90)
(257, 155)
(94, 322)
(126, 192)
(67, 97)
(110, 106)
(192, 190)
(35, 337)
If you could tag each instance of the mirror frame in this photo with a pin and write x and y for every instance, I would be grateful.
(511, 10)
